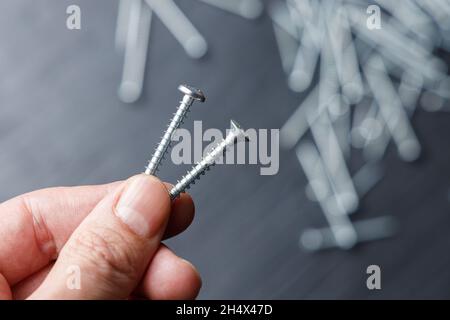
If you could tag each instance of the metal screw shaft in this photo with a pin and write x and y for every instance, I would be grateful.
(190, 95)
(236, 134)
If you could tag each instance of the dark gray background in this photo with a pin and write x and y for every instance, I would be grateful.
(61, 123)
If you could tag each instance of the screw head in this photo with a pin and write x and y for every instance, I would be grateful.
(194, 93)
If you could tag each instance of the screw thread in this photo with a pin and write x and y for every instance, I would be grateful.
(164, 144)
(209, 160)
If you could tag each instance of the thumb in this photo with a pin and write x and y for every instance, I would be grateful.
(108, 253)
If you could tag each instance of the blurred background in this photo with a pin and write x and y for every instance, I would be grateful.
(63, 123)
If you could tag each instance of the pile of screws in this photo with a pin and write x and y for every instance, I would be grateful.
(236, 134)
(133, 31)
(369, 84)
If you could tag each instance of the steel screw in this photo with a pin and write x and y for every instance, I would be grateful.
(190, 95)
(235, 134)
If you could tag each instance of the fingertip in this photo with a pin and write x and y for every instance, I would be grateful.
(5, 291)
(183, 212)
(144, 205)
(184, 199)
(193, 277)
(185, 206)
(170, 277)
(158, 186)
(184, 203)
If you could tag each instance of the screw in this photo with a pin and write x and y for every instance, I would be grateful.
(235, 134)
(190, 95)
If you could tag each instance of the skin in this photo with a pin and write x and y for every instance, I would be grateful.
(46, 231)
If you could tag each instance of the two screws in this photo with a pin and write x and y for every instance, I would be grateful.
(235, 135)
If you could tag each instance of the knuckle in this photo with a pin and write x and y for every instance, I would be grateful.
(108, 252)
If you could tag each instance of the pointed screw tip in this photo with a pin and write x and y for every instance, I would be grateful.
(237, 130)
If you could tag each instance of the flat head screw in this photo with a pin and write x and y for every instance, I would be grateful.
(190, 95)
(235, 135)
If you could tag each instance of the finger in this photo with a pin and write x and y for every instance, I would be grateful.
(167, 277)
(170, 277)
(35, 226)
(27, 286)
(183, 211)
(114, 244)
(5, 291)
(180, 218)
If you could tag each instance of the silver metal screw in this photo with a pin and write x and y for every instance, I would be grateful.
(190, 95)
(235, 135)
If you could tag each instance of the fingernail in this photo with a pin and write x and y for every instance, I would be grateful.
(143, 206)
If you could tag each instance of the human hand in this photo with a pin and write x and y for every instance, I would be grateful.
(111, 233)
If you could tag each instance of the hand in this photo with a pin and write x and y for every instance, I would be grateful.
(110, 233)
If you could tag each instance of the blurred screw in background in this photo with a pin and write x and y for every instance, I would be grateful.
(61, 123)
